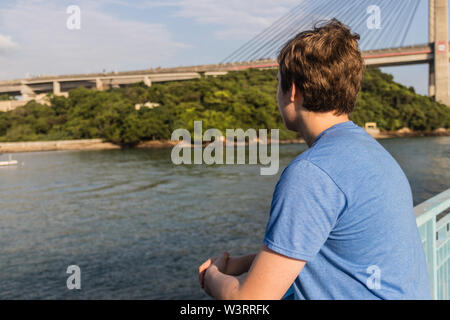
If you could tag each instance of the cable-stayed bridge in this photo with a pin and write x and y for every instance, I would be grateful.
(382, 24)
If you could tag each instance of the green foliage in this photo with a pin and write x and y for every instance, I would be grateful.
(393, 106)
(6, 97)
(244, 99)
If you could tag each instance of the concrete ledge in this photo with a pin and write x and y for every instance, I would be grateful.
(89, 144)
(9, 105)
(99, 144)
(403, 133)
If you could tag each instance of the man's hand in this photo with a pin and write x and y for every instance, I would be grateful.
(221, 265)
(217, 267)
(269, 277)
(235, 266)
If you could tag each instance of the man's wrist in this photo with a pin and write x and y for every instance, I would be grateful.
(210, 281)
(219, 285)
(250, 259)
(210, 272)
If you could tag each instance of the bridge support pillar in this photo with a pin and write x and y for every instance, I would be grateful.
(441, 55)
(26, 92)
(147, 81)
(56, 88)
(431, 81)
(99, 84)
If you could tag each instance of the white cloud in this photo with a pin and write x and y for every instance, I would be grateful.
(236, 18)
(147, 3)
(38, 41)
(103, 42)
(6, 44)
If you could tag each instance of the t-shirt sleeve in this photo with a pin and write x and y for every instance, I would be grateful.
(305, 207)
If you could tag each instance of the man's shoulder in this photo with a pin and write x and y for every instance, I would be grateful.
(303, 172)
(348, 158)
(345, 149)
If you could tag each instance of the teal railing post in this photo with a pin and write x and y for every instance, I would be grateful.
(437, 256)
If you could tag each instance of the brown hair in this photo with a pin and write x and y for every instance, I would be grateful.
(326, 66)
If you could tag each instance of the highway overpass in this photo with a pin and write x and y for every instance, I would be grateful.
(38, 87)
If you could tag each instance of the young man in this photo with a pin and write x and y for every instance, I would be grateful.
(341, 224)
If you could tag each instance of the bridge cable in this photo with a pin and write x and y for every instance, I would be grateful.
(403, 21)
(376, 41)
(393, 38)
(267, 44)
(280, 31)
(410, 22)
(264, 33)
(275, 47)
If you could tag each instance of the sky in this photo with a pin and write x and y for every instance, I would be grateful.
(119, 35)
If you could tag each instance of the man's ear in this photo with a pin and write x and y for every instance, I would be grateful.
(295, 93)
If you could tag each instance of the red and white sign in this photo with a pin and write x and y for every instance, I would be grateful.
(442, 47)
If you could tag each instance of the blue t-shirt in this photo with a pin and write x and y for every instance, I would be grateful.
(345, 206)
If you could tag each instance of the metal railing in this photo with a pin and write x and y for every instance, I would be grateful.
(433, 221)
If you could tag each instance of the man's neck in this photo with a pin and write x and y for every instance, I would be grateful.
(312, 124)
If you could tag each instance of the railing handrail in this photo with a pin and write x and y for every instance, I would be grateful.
(432, 207)
(435, 238)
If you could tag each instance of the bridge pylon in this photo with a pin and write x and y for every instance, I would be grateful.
(438, 34)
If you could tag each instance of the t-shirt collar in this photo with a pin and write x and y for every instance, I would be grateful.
(336, 126)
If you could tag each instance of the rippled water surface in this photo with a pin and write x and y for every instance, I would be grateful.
(139, 226)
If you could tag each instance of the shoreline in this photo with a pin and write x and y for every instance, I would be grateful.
(99, 144)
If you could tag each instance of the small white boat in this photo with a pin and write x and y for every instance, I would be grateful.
(10, 162)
